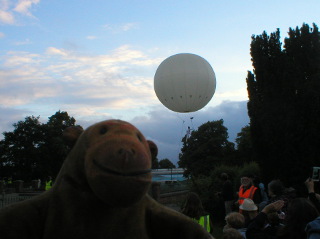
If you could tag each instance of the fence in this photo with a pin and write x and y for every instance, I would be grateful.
(174, 186)
(6, 199)
(167, 192)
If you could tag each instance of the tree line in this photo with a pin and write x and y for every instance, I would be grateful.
(35, 150)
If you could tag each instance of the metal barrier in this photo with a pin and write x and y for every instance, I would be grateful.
(174, 186)
(7, 199)
(165, 187)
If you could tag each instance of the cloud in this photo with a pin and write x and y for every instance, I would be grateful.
(167, 128)
(6, 17)
(55, 51)
(9, 10)
(8, 116)
(124, 53)
(99, 80)
(14, 59)
(5, 4)
(118, 28)
(91, 37)
(23, 7)
(128, 26)
(237, 94)
(21, 43)
(2, 35)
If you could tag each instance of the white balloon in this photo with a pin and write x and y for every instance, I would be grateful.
(184, 82)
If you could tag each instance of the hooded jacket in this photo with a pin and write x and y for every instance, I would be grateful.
(313, 229)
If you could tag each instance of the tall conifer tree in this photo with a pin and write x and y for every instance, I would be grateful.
(284, 103)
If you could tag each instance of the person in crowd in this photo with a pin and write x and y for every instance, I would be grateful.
(193, 208)
(300, 212)
(248, 190)
(227, 193)
(231, 233)
(10, 182)
(5, 181)
(48, 183)
(264, 196)
(276, 190)
(313, 228)
(259, 184)
(249, 210)
(313, 197)
(39, 184)
(274, 223)
(255, 229)
(237, 221)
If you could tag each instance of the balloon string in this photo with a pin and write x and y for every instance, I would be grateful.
(185, 131)
(182, 131)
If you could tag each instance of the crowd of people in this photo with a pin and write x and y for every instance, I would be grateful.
(39, 185)
(257, 212)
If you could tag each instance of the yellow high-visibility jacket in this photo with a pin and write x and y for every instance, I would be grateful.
(48, 185)
(204, 221)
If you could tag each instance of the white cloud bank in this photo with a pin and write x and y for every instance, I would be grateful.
(9, 9)
(102, 80)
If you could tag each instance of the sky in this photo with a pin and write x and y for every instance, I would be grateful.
(97, 59)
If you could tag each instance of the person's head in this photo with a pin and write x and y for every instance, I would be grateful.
(246, 181)
(248, 209)
(300, 212)
(232, 233)
(224, 176)
(256, 180)
(275, 188)
(193, 206)
(234, 220)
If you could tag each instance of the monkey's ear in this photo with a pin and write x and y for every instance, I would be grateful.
(153, 149)
(71, 135)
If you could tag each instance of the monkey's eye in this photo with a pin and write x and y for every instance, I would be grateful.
(139, 136)
(103, 130)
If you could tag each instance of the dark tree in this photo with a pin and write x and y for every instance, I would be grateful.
(20, 155)
(244, 145)
(54, 149)
(205, 148)
(34, 150)
(155, 163)
(284, 103)
(166, 163)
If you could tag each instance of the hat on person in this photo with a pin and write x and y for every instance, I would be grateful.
(248, 205)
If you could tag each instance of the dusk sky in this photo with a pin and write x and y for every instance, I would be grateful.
(97, 59)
